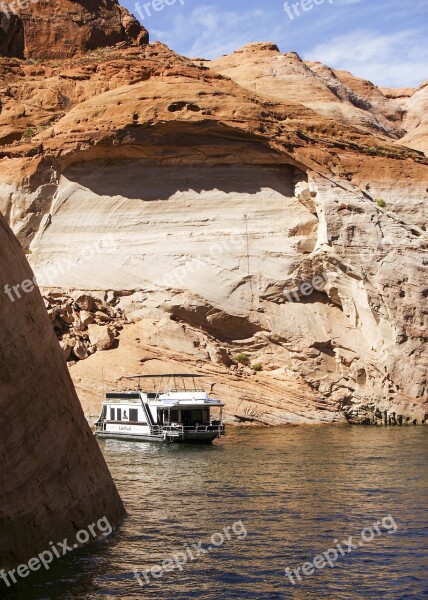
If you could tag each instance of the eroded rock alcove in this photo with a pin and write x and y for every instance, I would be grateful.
(222, 206)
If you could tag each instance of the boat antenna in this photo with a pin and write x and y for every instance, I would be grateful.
(250, 279)
(248, 245)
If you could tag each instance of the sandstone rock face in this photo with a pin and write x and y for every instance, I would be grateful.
(262, 68)
(12, 35)
(225, 221)
(51, 29)
(154, 345)
(398, 93)
(53, 478)
(34, 97)
(416, 120)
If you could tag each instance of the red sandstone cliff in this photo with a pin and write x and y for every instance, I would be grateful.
(180, 160)
(50, 29)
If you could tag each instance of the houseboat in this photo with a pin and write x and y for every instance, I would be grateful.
(161, 408)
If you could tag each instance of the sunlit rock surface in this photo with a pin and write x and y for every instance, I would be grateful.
(50, 29)
(203, 208)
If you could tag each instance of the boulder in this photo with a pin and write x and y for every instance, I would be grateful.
(110, 296)
(101, 316)
(85, 302)
(79, 326)
(80, 351)
(86, 317)
(65, 348)
(100, 337)
(66, 316)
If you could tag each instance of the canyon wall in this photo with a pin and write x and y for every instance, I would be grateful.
(395, 114)
(53, 478)
(50, 29)
(223, 222)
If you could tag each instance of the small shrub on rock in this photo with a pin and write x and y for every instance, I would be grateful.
(29, 133)
(242, 358)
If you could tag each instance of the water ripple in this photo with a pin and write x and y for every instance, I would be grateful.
(298, 491)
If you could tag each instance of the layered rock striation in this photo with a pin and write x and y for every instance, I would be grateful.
(240, 219)
(394, 114)
(416, 119)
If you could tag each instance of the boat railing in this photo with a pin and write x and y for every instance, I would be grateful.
(215, 426)
(156, 429)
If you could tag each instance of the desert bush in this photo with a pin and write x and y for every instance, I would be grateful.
(242, 358)
(29, 133)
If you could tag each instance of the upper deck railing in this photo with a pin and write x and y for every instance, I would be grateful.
(163, 384)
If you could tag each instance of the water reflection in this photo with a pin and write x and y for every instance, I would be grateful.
(295, 489)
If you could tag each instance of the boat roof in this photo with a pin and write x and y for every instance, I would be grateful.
(134, 398)
(167, 382)
(169, 399)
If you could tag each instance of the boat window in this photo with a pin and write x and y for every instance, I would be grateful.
(197, 416)
(186, 417)
(133, 414)
(113, 414)
(119, 414)
(174, 416)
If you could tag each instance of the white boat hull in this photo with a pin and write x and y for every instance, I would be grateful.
(203, 437)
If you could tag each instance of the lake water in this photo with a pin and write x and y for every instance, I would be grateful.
(277, 498)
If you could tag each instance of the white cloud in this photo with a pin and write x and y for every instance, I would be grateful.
(392, 59)
(396, 60)
(209, 32)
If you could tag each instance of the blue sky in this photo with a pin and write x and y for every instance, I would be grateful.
(384, 41)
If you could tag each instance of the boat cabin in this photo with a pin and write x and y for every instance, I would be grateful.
(175, 408)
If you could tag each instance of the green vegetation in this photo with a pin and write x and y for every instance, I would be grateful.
(375, 151)
(242, 358)
(381, 202)
(29, 133)
(257, 367)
